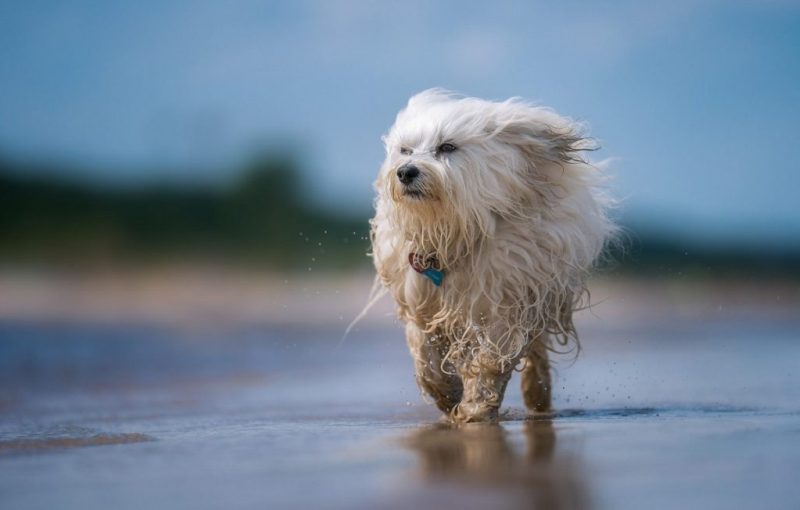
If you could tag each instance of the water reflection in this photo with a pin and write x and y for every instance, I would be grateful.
(499, 466)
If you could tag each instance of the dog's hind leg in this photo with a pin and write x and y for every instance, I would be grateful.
(536, 380)
(429, 351)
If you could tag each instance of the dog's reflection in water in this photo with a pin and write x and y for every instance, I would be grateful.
(485, 465)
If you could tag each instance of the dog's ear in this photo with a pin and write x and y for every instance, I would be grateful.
(541, 134)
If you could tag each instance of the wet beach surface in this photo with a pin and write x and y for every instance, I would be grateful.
(662, 409)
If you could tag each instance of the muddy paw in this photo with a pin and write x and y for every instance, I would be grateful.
(473, 413)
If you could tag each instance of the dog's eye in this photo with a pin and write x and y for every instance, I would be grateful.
(405, 151)
(445, 148)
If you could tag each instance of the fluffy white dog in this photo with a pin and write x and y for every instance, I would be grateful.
(488, 220)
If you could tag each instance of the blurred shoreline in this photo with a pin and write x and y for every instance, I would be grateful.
(220, 297)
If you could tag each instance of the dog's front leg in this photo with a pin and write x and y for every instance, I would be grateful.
(436, 380)
(484, 387)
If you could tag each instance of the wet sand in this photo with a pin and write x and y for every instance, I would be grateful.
(684, 397)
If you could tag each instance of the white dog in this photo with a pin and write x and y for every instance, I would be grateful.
(487, 223)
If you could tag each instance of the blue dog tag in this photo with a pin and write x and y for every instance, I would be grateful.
(426, 266)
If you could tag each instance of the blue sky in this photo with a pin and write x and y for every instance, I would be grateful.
(698, 102)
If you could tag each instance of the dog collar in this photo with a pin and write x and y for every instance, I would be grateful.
(427, 266)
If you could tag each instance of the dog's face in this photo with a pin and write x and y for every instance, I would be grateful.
(466, 161)
(438, 151)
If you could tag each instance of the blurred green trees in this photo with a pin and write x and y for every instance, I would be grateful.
(261, 218)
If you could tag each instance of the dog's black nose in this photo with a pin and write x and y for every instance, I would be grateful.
(407, 173)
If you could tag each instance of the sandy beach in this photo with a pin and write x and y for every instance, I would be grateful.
(209, 389)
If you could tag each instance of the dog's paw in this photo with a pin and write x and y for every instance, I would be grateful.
(470, 412)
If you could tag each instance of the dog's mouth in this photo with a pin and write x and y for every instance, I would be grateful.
(413, 193)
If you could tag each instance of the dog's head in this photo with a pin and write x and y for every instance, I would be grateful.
(455, 164)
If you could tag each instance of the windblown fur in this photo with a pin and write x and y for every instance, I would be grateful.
(515, 217)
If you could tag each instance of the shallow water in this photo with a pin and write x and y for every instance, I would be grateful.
(671, 414)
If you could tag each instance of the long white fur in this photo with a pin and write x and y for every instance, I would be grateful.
(516, 217)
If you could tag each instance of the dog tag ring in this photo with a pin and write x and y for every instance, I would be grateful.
(427, 266)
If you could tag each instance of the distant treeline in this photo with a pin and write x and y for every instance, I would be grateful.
(647, 252)
(263, 218)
